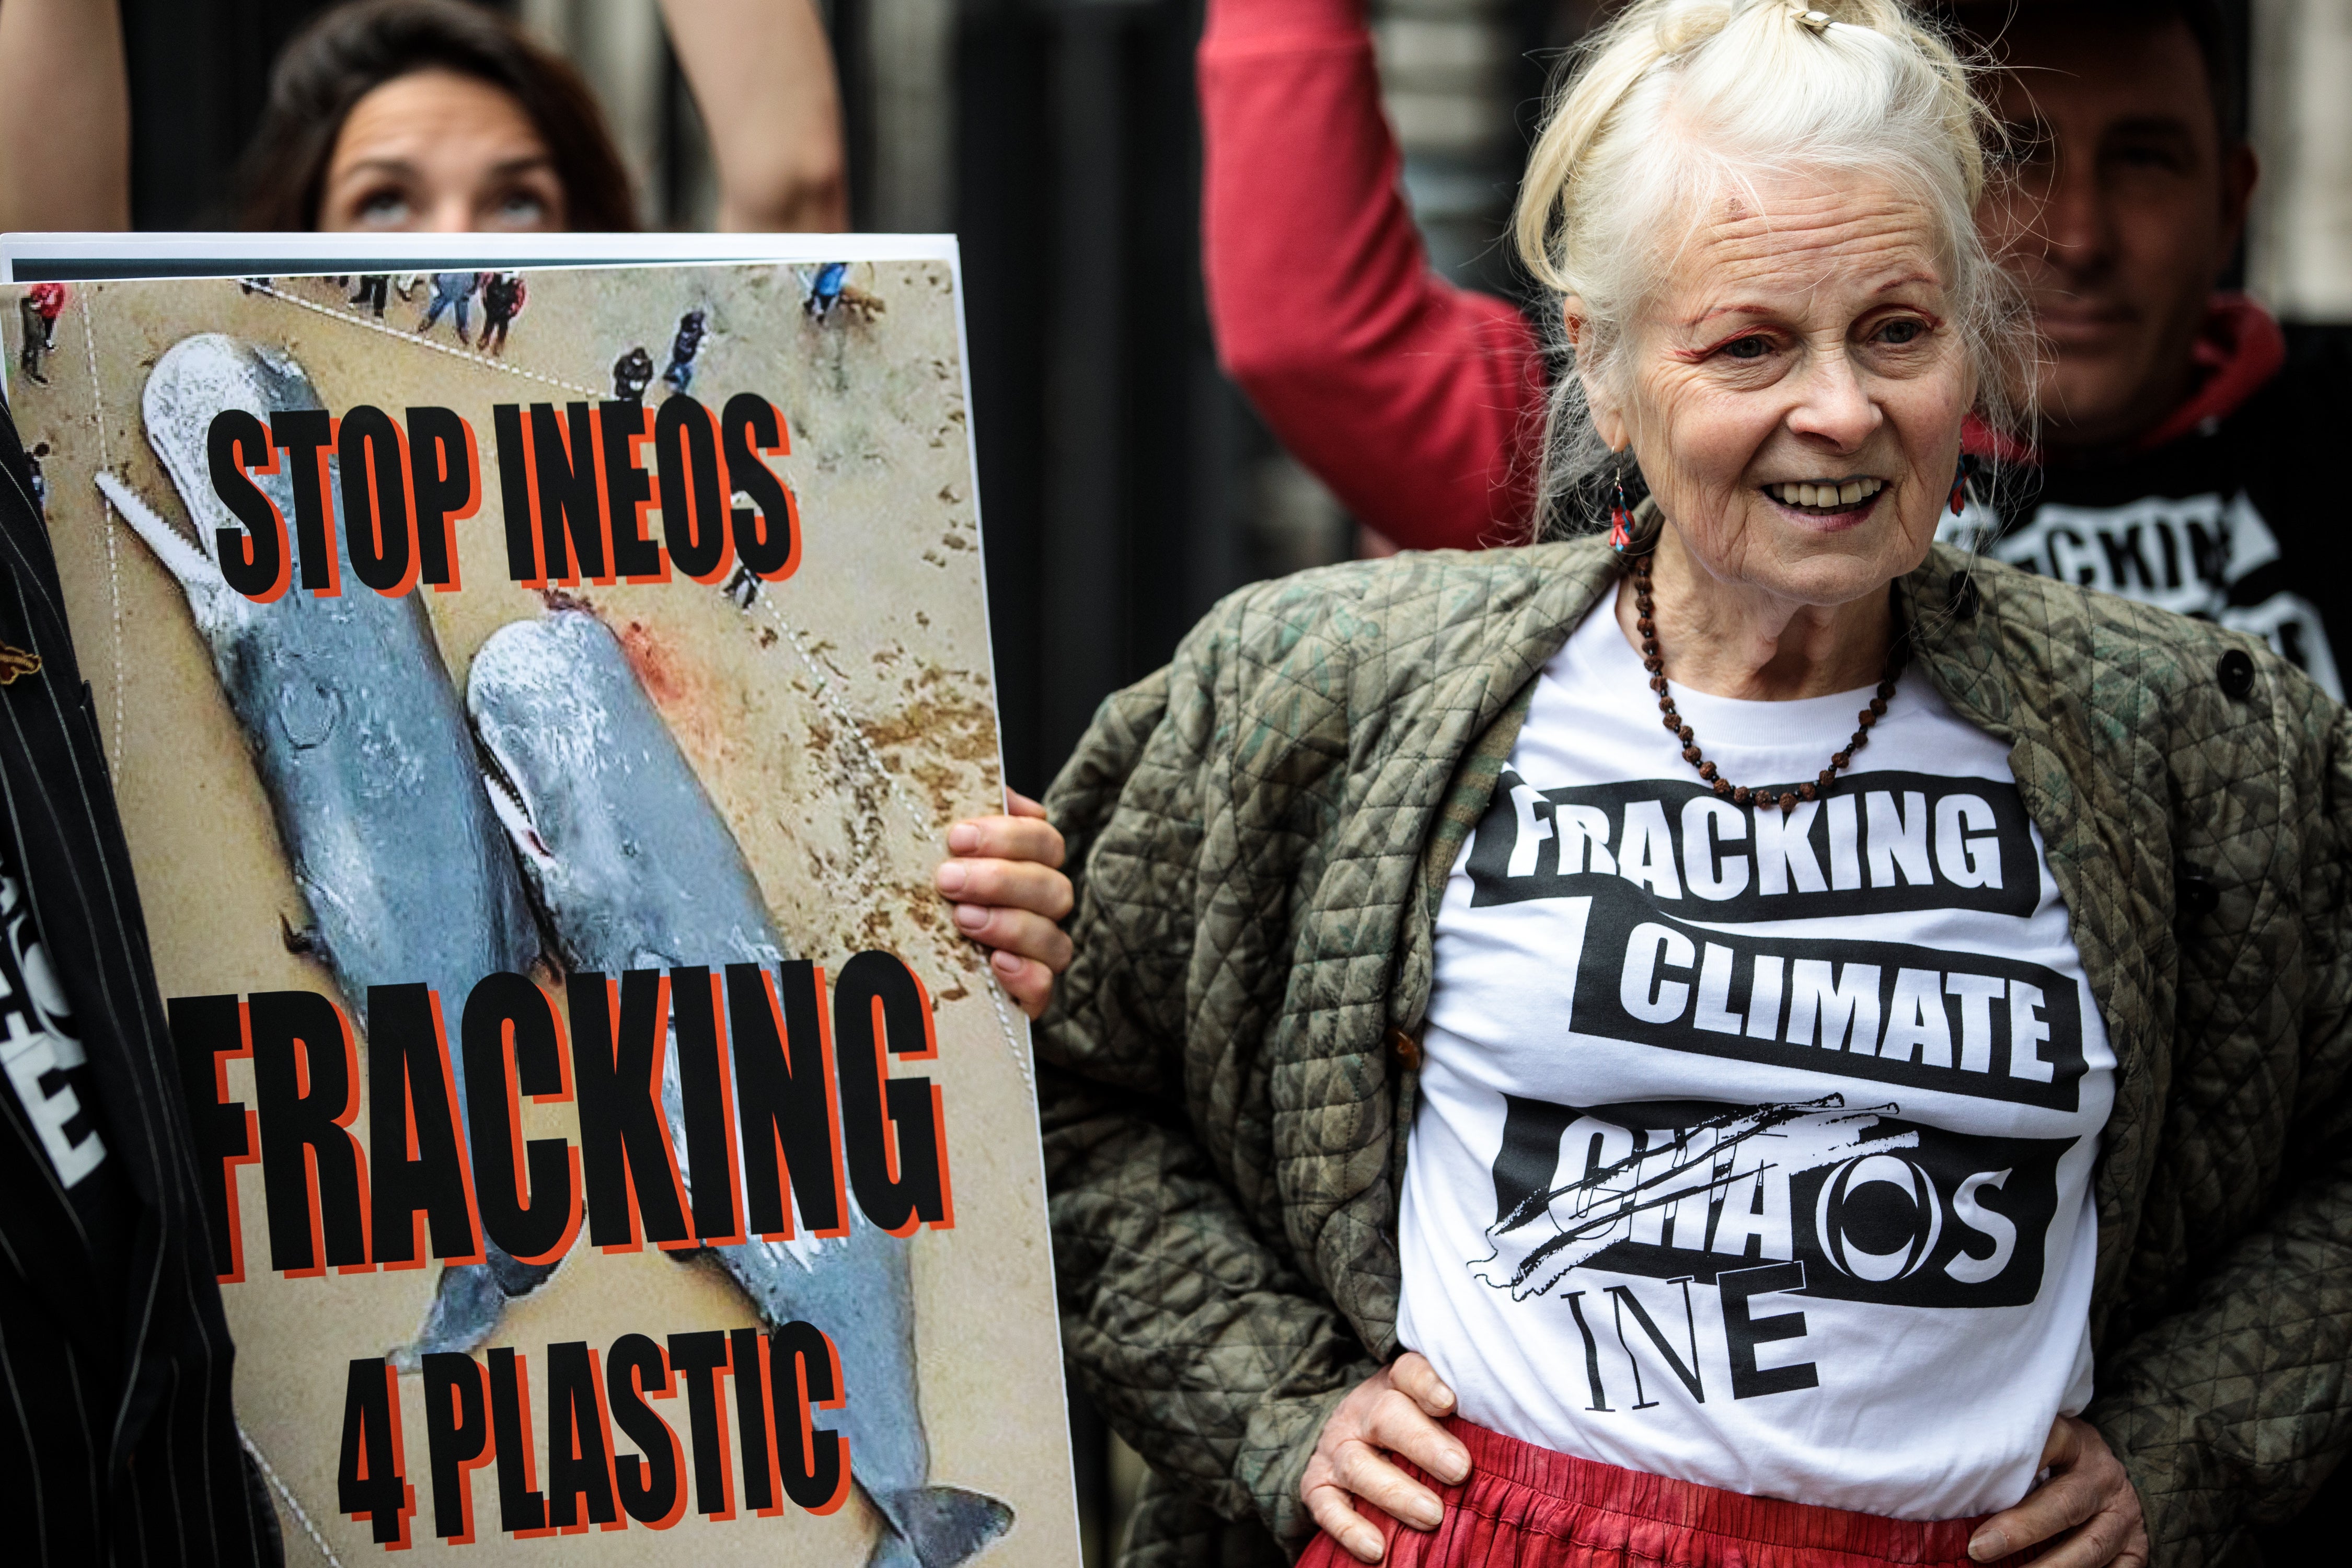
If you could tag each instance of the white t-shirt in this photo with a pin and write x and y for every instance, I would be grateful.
(1755, 1150)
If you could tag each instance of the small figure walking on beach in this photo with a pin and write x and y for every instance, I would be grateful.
(632, 373)
(39, 311)
(832, 287)
(680, 374)
(503, 297)
(452, 290)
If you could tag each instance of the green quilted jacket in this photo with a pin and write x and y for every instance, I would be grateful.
(1258, 834)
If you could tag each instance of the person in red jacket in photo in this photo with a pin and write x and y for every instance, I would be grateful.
(2172, 463)
(39, 308)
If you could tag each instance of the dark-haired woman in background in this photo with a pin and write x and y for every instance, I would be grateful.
(435, 115)
(429, 114)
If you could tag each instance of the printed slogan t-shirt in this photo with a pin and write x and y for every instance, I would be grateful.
(1754, 1150)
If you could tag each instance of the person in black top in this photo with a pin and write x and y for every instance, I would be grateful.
(678, 374)
(118, 1440)
(632, 373)
(502, 301)
(2180, 457)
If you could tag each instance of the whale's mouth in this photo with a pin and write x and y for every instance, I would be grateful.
(513, 809)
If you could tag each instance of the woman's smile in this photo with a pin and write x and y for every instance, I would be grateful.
(1826, 505)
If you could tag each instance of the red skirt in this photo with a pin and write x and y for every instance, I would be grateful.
(1525, 1507)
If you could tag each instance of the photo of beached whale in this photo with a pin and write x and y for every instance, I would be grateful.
(580, 772)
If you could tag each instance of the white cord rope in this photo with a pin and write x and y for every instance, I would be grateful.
(302, 1517)
(260, 287)
(829, 694)
(106, 509)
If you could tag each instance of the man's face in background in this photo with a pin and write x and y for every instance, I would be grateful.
(2124, 209)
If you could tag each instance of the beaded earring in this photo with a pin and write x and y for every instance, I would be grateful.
(1961, 486)
(1621, 521)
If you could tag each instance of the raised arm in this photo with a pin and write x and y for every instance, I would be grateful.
(1418, 404)
(64, 116)
(762, 71)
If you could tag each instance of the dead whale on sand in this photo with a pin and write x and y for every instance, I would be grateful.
(360, 745)
(633, 867)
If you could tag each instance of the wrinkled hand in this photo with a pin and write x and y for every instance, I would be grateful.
(2088, 1507)
(1008, 891)
(1394, 1411)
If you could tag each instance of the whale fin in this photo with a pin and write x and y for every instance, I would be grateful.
(467, 1305)
(935, 1527)
(469, 1300)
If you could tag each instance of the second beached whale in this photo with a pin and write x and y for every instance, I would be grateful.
(634, 869)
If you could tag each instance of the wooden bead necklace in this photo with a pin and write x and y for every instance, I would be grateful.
(1652, 660)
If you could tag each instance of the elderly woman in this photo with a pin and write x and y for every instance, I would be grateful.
(1760, 1041)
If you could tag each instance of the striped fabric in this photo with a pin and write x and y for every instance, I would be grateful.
(118, 1444)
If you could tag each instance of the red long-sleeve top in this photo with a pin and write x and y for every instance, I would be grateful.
(1419, 403)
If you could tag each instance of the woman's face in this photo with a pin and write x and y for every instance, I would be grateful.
(436, 151)
(1808, 344)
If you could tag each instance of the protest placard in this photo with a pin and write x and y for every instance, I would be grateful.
(537, 699)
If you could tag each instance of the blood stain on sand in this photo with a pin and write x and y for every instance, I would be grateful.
(680, 689)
